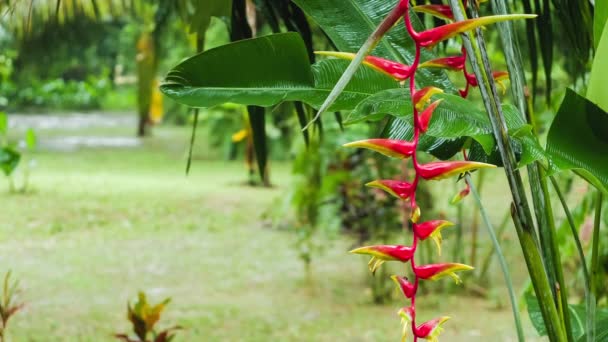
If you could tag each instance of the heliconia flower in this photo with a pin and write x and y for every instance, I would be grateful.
(398, 71)
(453, 63)
(439, 11)
(423, 96)
(434, 36)
(406, 287)
(459, 196)
(432, 229)
(382, 253)
(389, 147)
(440, 170)
(396, 188)
(425, 116)
(407, 317)
(430, 330)
(436, 271)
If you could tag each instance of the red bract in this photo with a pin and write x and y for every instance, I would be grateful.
(440, 170)
(426, 115)
(408, 289)
(389, 147)
(399, 189)
(434, 36)
(398, 71)
(430, 330)
(436, 271)
(439, 11)
(382, 253)
(454, 63)
(432, 229)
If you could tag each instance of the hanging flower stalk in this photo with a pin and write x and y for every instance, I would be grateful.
(423, 108)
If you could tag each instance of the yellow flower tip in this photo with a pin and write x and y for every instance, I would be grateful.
(375, 184)
(337, 54)
(361, 250)
(353, 144)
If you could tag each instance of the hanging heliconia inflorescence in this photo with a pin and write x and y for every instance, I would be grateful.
(423, 109)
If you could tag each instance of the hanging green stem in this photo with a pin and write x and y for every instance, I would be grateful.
(475, 223)
(501, 259)
(488, 258)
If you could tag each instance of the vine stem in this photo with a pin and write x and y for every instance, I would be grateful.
(581, 254)
(501, 259)
(595, 263)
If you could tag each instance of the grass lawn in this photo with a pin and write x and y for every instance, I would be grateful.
(102, 224)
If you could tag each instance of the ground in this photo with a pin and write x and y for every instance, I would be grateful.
(101, 224)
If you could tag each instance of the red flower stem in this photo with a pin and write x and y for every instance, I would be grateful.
(417, 125)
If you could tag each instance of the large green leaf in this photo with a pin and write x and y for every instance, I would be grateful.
(266, 71)
(454, 118)
(348, 23)
(578, 140)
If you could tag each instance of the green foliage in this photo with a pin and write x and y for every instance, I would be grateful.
(578, 318)
(578, 140)
(16, 156)
(9, 156)
(59, 93)
(9, 160)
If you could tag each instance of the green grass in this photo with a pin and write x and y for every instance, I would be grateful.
(102, 224)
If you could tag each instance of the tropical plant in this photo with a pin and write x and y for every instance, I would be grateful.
(277, 69)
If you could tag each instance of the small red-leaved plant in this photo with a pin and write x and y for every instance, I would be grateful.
(8, 303)
(144, 316)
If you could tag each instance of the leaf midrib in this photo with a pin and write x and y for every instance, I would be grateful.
(270, 89)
